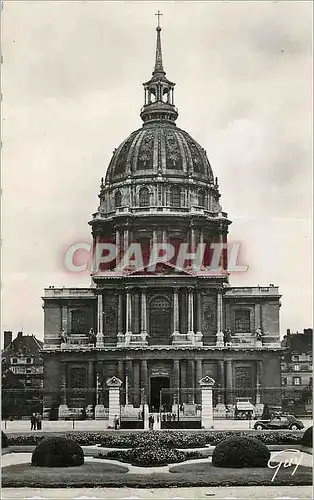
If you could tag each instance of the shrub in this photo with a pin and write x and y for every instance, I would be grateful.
(240, 452)
(4, 440)
(58, 452)
(307, 438)
(176, 439)
(148, 456)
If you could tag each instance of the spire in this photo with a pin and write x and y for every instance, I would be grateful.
(158, 62)
(159, 91)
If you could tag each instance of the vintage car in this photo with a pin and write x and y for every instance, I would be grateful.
(279, 422)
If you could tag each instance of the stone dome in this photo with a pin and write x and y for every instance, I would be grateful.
(159, 148)
(159, 166)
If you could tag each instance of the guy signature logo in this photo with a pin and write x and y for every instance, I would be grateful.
(287, 458)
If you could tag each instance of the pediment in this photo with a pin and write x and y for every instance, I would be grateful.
(114, 382)
(161, 268)
(207, 382)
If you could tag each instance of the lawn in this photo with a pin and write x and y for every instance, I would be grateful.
(110, 475)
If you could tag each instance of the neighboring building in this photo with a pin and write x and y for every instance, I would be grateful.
(22, 375)
(163, 328)
(297, 367)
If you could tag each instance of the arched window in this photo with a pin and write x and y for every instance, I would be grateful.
(118, 199)
(201, 198)
(242, 321)
(175, 197)
(160, 320)
(144, 197)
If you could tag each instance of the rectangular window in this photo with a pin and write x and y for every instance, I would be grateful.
(295, 358)
(284, 381)
(28, 361)
(14, 360)
(296, 380)
(242, 321)
(296, 368)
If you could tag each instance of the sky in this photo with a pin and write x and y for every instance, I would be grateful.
(72, 90)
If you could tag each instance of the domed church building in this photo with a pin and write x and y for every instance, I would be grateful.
(160, 313)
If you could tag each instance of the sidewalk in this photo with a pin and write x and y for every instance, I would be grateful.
(101, 425)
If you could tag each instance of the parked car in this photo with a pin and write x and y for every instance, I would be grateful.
(279, 422)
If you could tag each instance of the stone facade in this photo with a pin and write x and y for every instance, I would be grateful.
(163, 326)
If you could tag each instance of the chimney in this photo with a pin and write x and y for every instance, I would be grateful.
(7, 338)
(288, 332)
(20, 334)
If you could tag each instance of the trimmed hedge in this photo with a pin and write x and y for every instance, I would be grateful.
(307, 438)
(240, 452)
(175, 439)
(58, 452)
(148, 456)
(4, 440)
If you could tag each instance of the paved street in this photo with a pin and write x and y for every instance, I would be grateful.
(97, 425)
(221, 493)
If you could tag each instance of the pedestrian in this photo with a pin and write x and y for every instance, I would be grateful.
(38, 421)
(266, 413)
(151, 421)
(33, 422)
(116, 422)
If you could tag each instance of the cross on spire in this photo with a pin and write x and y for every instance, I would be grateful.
(158, 14)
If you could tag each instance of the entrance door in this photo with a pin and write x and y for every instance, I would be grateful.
(156, 384)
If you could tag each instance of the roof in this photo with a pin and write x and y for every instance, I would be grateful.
(23, 345)
(299, 342)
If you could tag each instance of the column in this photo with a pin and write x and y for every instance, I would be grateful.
(63, 408)
(136, 384)
(144, 391)
(202, 243)
(144, 376)
(229, 381)
(221, 381)
(91, 383)
(257, 316)
(199, 313)
(191, 379)
(225, 252)
(175, 311)
(100, 338)
(176, 374)
(64, 317)
(118, 249)
(164, 236)
(207, 384)
(176, 383)
(259, 368)
(144, 313)
(219, 336)
(121, 376)
(199, 376)
(155, 237)
(63, 383)
(137, 313)
(125, 241)
(128, 312)
(191, 311)
(129, 383)
(183, 380)
(120, 370)
(192, 238)
(114, 385)
(120, 314)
